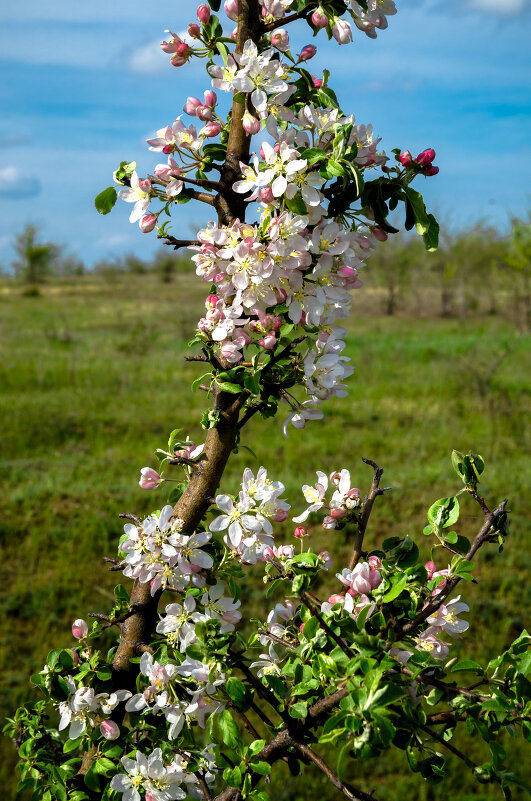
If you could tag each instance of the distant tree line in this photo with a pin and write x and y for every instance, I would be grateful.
(475, 271)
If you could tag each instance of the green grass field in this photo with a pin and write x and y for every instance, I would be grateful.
(92, 379)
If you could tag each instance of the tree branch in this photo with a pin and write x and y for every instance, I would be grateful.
(350, 792)
(366, 511)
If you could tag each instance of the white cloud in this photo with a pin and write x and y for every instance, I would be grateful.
(15, 185)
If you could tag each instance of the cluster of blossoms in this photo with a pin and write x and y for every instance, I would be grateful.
(83, 706)
(160, 780)
(248, 521)
(158, 552)
(343, 502)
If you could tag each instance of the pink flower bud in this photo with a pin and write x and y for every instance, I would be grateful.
(380, 234)
(191, 106)
(211, 98)
(280, 516)
(147, 223)
(336, 599)
(431, 568)
(203, 325)
(178, 61)
(231, 9)
(149, 479)
(285, 551)
(405, 158)
(300, 532)
(269, 554)
(75, 657)
(250, 124)
(204, 113)
(211, 129)
(319, 18)
(329, 522)
(109, 729)
(347, 272)
(307, 53)
(317, 82)
(211, 301)
(79, 629)
(280, 40)
(375, 562)
(432, 170)
(426, 157)
(277, 323)
(266, 193)
(183, 50)
(234, 34)
(268, 342)
(194, 30)
(341, 31)
(203, 14)
(337, 514)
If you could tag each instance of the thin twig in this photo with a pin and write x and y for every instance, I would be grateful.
(436, 736)
(338, 640)
(350, 792)
(374, 491)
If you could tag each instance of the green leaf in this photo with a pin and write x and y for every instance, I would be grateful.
(310, 628)
(71, 745)
(298, 710)
(237, 691)
(105, 201)
(312, 155)
(92, 780)
(296, 205)
(103, 766)
(468, 664)
(229, 732)
(261, 766)
(233, 776)
(398, 583)
(234, 389)
(255, 747)
(444, 512)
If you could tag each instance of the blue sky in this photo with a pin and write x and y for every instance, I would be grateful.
(84, 84)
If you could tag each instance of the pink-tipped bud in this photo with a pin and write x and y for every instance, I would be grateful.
(432, 170)
(211, 129)
(430, 568)
(380, 234)
(194, 30)
(280, 516)
(234, 34)
(266, 194)
(250, 124)
(342, 31)
(268, 342)
(277, 323)
(204, 113)
(191, 105)
(149, 479)
(426, 157)
(109, 729)
(203, 325)
(211, 98)
(300, 532)
(280, 40)
(231, 9)
(336, 599)
(183, 50)
(317, 82)
(178, 61)
(405, 158)
(75, 657)
(211, 301)
(319, 18)
(337, 514)
(307, 53)
(147, 223)
(203, 14)
(79, 629)
(328, 522)
(269, 554)
(375, 562)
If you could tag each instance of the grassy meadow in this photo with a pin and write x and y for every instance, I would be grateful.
(92, 379)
